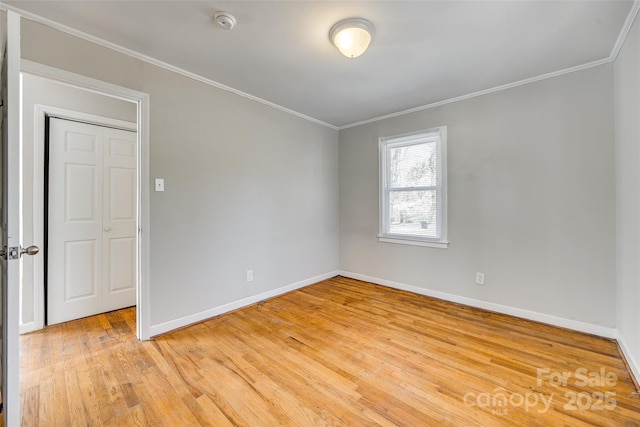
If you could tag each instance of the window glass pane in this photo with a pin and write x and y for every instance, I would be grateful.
(413, 212)
(413, 166)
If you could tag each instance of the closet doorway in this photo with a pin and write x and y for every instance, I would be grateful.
(91, 218)
(49, 93)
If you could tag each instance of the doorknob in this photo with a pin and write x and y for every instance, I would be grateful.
(15, 252)
(107, 229)
(31, 250)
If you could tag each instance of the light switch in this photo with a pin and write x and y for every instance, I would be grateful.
(159, 184)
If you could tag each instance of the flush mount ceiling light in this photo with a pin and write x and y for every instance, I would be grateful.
(352, 36)
(225, 20)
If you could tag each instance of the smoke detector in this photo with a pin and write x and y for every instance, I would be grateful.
(224, 20)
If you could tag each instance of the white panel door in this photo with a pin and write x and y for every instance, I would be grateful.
(92, 220)
(119, 220)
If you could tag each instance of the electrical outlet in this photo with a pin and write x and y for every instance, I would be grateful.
(249, 275)
(480, 278)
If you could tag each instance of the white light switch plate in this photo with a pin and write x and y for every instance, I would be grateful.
(159, 184)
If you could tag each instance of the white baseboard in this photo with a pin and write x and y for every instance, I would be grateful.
(634, 364)
(575, 325)
(171, 325)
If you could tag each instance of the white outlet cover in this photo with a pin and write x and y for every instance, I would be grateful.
(159, 184)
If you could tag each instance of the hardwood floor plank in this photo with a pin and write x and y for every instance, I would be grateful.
(89, 399)
(46, 403)
(147, 411)
(214, 414)
(171, 409)
(30, 411)
(337, 353)
(75, 402)
(60, 394)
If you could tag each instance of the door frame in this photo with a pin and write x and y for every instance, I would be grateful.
(142, 101)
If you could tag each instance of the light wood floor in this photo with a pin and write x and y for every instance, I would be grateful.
(340, 352)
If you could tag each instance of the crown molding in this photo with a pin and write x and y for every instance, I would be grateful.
(624, 32)
(148, 59)
(82, 35)
(628, 23)
(481, 92)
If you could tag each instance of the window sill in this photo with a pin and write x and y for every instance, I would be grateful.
(413, 242)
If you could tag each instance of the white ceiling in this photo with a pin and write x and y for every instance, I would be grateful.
(423, 51)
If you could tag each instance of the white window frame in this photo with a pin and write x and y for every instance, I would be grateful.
(439, 135)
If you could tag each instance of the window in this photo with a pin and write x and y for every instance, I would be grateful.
(413, 191)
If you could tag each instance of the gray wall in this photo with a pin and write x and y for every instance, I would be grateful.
(531, 199)
(246, 186)
(531, 191)
(36, 90)
(627, 131)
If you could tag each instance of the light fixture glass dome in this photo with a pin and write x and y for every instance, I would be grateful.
(352, 36)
